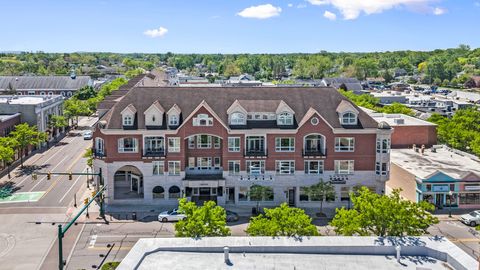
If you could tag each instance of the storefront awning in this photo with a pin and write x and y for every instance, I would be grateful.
(204, 183)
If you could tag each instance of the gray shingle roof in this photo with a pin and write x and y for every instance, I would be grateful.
(323, 99)
(43, 82)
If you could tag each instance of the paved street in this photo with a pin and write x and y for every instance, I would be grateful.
(28, 228)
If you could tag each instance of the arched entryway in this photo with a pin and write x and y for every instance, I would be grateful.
(128, 183)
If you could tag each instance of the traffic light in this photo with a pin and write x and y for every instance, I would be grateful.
(85, 201)
(70, 176)
(34, 176)
(49, 176)
(93, 193)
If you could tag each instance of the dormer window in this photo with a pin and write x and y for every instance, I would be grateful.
(237, 118)
(285, 119)
(173, 120)
(203, 120)
(349, 118)
(128, 120)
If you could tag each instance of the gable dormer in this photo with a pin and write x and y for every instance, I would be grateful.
(129, 117)
(347, 113)
(237, 115)
(285, 114)
(173, 116)
(154, 115)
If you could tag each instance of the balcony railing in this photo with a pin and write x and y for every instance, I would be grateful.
(203, 173)
(257, 177)
(98, 154)
(154, 153)
(338, 179)
(314, 152)
(255, 152)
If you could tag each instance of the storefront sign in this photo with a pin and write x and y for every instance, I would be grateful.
(440, 189)
(472, 188)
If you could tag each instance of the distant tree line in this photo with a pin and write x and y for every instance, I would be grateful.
(450, 67)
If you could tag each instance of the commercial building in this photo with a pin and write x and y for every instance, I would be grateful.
(157, 144)
(440, 175)
(408, 130)
(43, 85)
(324, 252)
(34, 110)
(8, 123)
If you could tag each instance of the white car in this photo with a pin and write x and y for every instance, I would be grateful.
(472, 218)
(87, 135)
(172, 215)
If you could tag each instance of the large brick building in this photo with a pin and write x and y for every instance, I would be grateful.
(157, 144)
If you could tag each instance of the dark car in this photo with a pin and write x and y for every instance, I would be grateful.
(232, 216)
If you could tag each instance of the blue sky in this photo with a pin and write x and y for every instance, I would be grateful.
(237, 26)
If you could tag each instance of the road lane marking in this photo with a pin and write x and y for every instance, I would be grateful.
(465, 240)
(114, 248)
(93, 239)
(45, 177)
(74, 183)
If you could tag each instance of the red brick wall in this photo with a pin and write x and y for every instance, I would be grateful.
(8, 125)
(406, 136)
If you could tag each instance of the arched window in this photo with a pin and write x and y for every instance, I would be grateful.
(285, 118)
(237, 118)
(349, 118)
(174, 192)
(158, 192)
(127, 120)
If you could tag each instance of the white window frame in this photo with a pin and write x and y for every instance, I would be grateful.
(100, 145)
(319, 163)
(289, 148)
(202, 120)
(233, 148)
(350, 146)
(285, 119)
(285, 166)
(201, 145)
(350, 166)
(238, 118)
(173, 120)
(235, 164)
(122, 149)
(127, 120)
(350, 120)
(176, 165)
(259, 171)
(379, 170)
(174, 144)
(216, 142)
(158, 167)
(191, 142)
(381, 142)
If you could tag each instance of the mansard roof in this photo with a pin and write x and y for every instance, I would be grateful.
(324, 100)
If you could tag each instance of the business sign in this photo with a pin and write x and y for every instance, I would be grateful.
(472, 188)
(440, 188)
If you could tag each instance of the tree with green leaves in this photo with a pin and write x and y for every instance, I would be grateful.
(396, 107)
(259, 193)
(26, 136)
(7, 151)
(282, 221)
(201, 221)
(73, 108)
(85, 93)
(321, 191)
(383, 215)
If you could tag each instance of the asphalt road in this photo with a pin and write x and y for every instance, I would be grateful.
(28, 229)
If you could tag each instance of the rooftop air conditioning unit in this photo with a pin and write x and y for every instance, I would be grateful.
(399, 121)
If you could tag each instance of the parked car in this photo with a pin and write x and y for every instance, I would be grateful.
(171, 215)
(472, 218)
(87, 135)
(232, 216)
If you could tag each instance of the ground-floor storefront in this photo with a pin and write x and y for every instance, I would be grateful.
(452, 194)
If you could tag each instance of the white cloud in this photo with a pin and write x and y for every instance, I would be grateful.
(439, 11)
(329, 15)
(260, 12)
(351, 9)
(153, 33)
(301, 6)
(290, 5)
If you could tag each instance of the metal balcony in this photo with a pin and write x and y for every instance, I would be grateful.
(255, 153)
(314, 152)
(154, 153)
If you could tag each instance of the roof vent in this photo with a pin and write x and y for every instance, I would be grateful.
(399, 121)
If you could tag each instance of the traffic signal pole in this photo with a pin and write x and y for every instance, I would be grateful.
(87, 202)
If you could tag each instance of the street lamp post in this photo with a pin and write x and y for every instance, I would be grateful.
(450, 204)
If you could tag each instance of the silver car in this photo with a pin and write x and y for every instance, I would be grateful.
(171, 215)
(472, 218)
(87, 135)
